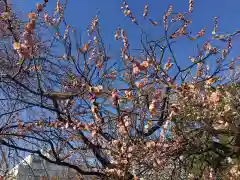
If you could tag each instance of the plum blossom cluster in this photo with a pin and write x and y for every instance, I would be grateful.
(127, 12)
(128, 155)
(57, 17)
(166, 17)
(145, 116)
(29, 47)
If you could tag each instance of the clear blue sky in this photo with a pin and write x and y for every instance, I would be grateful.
(80, 13)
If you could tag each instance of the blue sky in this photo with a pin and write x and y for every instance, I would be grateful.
(80, 13)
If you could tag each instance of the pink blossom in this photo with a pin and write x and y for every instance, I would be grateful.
(24, 52)
(46, 17)
(140, 84)
(130, 149)
(115, 95)
(28, 39)
(152, 108)
(136, 69)
(215, 97)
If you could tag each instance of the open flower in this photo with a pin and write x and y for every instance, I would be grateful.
(129, 95)
(16, 45)
(220, 125)
(136, 69)
(23, 51)
(235, 171)
(144, 65)
(215, 97)
(140, 84)
(96, 90)
(153, 107)
(227, 108)
(168, 65)
(32, 16)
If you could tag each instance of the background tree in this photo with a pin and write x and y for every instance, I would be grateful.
(144, 115)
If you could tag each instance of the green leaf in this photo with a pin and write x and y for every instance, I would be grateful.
(71, 76)
(21, 62)
(95, 103)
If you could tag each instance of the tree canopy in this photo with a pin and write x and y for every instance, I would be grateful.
(142, 115)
